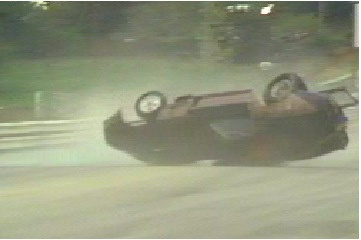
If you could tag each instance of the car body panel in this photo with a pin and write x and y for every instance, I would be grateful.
(231, 125)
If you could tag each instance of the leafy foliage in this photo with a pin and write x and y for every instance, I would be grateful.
(160, 20)
(76, 28)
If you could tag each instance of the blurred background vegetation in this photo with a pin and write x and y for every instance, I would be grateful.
(54, 29)
(78, 45)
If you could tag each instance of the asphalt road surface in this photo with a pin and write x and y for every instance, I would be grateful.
(92, 191)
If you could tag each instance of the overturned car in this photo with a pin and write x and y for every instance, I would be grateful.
(292, 123)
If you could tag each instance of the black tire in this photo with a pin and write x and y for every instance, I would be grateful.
(152, 115)
(296, 84)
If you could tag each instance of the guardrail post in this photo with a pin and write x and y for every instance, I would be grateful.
(39, 110)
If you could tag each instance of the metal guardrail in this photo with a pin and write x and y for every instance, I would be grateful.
(29, 127)
(349, 81)
(338, 80)
(43, 133)
(49, 133)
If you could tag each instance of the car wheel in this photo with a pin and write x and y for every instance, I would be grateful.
(291, 82)
(148, 105)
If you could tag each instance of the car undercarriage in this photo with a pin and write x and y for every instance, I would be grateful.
(232, 125)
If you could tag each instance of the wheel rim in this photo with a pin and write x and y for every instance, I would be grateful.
(281, 89)
(150, 104)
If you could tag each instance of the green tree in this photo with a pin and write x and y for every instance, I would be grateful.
(62, 28)
(13, 27)
(161, 20)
